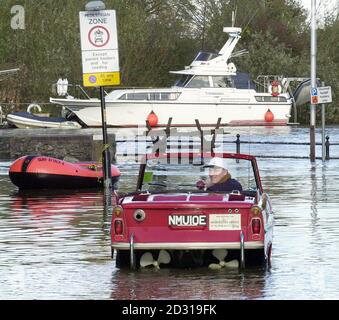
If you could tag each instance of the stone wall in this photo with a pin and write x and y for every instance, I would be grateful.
(81, 147)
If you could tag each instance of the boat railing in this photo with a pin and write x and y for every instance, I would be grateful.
(132, 88)
(262, 82)
(77, 90)
(38, 108)
(288, 84)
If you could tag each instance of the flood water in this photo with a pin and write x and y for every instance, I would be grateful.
(56, 245)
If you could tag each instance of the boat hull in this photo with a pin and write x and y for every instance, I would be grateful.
(33, 172)
(54, 181)
(25, 120)
(128, 114)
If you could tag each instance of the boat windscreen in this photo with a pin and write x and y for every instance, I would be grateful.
(199, 82)
(205, 56)
(222, 82)
(183, 80)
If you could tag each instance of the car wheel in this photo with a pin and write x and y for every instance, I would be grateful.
(255, 257)
(269, 255)
(122, 259)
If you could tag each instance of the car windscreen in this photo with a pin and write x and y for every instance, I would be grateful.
(162, 176)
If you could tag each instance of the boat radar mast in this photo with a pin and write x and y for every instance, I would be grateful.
(234, 37)
(216, 63)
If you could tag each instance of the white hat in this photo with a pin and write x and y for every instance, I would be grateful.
(217, 162)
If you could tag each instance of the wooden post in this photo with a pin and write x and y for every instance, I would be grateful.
(238, 142)
(327, 156)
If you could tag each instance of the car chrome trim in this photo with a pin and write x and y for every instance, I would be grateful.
(189, 245)
(132, 254)
(242, 250)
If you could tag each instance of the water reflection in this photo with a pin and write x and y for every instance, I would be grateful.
(54, 226)
(193, 284)
(314, 200)
(55, 202)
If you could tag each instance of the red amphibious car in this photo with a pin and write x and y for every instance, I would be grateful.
(172, 219)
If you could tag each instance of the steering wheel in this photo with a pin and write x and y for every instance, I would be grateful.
(201, 184)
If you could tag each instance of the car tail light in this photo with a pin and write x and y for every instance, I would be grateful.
(118, 227)
(256, 226)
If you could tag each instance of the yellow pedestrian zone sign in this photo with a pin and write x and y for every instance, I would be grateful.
(99, 47)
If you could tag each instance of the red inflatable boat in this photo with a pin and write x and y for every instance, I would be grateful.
(36, 172)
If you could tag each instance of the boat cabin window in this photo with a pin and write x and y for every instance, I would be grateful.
(222, 82)
(150, 96)
(199, 82)
(243, 80)
(134, 96)
(270, 99)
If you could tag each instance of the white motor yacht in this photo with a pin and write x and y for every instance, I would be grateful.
(207, 90)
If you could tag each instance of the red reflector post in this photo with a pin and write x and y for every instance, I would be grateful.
(256, 226)
(118, 227)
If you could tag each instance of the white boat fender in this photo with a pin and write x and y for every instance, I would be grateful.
(33, 106)
(60, 87)
(64, 87)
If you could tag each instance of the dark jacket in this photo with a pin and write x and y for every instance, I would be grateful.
(227, 186)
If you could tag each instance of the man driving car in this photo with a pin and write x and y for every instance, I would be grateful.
(219, 177)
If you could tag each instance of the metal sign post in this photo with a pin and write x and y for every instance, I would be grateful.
(314, 94)
(323, 156)
(100, 63)
(106, 156)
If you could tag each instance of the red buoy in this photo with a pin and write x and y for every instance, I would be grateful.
(269, 116)
(152, 119)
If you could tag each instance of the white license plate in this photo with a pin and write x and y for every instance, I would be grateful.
(187, 220)
(224, 222)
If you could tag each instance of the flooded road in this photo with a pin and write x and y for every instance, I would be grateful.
(57, 245)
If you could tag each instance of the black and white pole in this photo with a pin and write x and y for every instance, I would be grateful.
(313, 78)
(106, 156)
